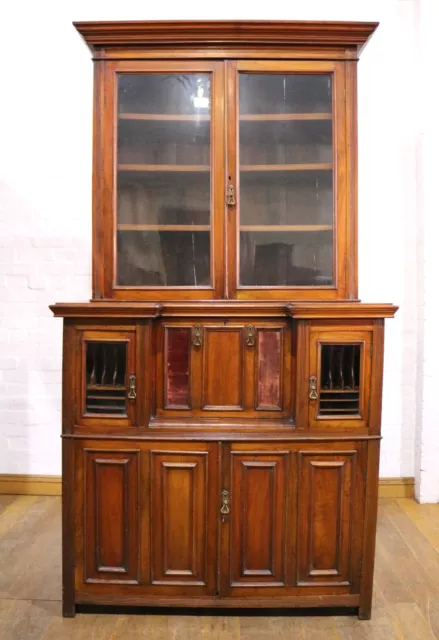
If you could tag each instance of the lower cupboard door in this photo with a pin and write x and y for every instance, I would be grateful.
(256, 530)
(330, 512)
(184, 520)
(109, 505)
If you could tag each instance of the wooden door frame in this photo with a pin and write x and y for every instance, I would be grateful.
(105, 180)
(344, 158)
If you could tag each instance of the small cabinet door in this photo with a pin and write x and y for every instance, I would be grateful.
(256, 514)
(184, 518)
(339, 377)
(330, 512)
(224, 368)
(108, 509)
(106, 377)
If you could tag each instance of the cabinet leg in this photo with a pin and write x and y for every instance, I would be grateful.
(68, 608)
(365, 611)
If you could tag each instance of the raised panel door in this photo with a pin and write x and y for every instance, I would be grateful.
(110, 527)
(256, 526)
(183, 523)
(330, 508)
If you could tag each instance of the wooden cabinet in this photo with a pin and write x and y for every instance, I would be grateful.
(222, 390)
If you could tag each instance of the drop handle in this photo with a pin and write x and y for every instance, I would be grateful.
(313, 388)
(132, 388)
(225, 504)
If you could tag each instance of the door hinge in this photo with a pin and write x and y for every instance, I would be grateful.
(368, 408)
(371, 350)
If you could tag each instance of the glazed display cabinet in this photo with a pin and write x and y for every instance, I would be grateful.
(222, 389)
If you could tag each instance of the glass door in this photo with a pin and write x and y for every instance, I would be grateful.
(285, 179)
(168, 180)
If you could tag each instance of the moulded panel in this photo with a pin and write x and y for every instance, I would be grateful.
(179, 518)
(326, 495)
(258, 519)
(223, 368)
(111, 516)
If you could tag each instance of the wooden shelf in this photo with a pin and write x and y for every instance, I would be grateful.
(339, 391)
(163, 227)
(324, 166)
(164, 167)
(106, 387)
(254, 117)
(286, 227)
(165, 117)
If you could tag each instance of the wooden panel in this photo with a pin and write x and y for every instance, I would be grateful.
(269, 369)
(258, 518)
(111, 516)
(223, 368)
(179, 518)
(326, 495)
(177, 367)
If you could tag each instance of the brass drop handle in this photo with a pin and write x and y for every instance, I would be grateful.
(313, 388)
(196, 336)
(231, 198)
(132, 389)
(250, 342)
(225, 505)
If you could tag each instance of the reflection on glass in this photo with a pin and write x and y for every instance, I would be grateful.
(163, 185)
(286, 180)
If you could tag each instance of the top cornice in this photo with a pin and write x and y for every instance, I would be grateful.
(231, 33)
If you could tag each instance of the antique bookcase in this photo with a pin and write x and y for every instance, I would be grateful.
(222, 389)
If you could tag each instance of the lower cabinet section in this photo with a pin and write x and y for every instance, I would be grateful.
(287, 519)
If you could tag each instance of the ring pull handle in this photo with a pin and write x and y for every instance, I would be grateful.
(225, 505)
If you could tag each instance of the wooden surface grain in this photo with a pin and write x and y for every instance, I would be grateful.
(406, 590)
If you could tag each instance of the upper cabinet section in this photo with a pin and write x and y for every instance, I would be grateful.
(225, 160)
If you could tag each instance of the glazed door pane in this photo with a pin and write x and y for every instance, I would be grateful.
(286, 210)
(164, 180)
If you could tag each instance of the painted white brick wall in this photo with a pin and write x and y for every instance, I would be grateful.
(45, 202)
